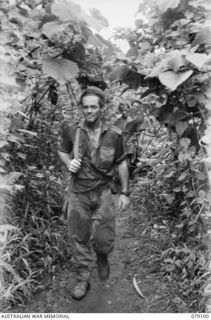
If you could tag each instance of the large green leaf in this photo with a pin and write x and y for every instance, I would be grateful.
(47, 18)
(207, 23)
(172, 80)
(61, 70)
(4, 123)
(3, 143)
(164, 5)
(4, 104)
(97, 16)
(185, 142)
(172, 117)
(38, 14)
(119, 74)
(12, 176)
(176, 63)
(104, 41)
(181, 126)
(173, 60)
(160, 67)
(206, 100)
(198, 59)
(90, 37)
(204, 35)
(93, 22)
(68, 11)
(7, 80)
(51, 28)
(5, 183)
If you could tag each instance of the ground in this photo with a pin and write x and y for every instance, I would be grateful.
(134, 254)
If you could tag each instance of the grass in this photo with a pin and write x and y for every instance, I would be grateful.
(176, 259)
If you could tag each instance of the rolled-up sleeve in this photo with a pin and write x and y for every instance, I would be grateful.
(66, 144)
(120, 154)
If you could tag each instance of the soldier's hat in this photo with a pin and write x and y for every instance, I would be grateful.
(94, 90)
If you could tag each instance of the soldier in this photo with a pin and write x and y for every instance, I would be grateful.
(97, 150)
(125, 118)
(130, 132)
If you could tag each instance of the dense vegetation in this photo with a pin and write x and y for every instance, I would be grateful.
(49, 53)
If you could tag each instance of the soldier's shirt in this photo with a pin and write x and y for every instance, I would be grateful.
(128, 145)
(99, 159)
(121, 123)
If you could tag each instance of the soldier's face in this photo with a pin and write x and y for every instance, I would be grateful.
(91, 109)
(124, 111)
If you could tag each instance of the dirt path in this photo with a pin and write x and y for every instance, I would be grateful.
(132, 255)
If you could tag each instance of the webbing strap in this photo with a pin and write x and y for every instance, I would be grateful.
(76, 143)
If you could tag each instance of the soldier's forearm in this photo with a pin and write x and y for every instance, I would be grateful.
(124, 175)
(64, 158)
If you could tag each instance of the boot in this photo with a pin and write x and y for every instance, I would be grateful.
(80, 289)
(103, 266)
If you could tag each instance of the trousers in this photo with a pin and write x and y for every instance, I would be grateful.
(91, 223)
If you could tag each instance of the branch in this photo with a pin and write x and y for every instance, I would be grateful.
(43, 95)
(70, 95)
(135, 284)
(152, 139)
(200, 211)
(68, 47)
(22, 101)
(203, 116)
(73, 93)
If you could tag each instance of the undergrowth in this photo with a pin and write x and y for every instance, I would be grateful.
(168, 197)
(40, 242)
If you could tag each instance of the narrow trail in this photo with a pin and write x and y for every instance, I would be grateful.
(117, 295)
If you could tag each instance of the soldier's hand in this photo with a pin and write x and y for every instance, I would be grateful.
(74, 165)
(123, 202)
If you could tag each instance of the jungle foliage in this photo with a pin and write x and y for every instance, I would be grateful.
(49, 52)
(168, 64)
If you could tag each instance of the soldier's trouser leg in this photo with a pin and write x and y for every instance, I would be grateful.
(103, 224)
(91, 218)
(79, 221)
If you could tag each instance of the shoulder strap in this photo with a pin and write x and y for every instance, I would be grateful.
(76, 143)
